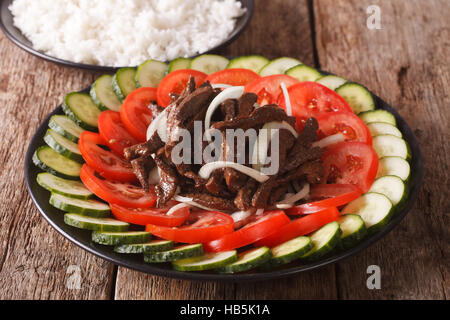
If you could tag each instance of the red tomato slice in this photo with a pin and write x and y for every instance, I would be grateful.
(124, 194)
(310, 99)
(349, 124)
(135, 114)
(268, 88)
(261, 227)
(157, 216)
(234, 77)
(107, 164)
(351, 162)
(328, 195)
(203, 226)
(300, 227)
(175, 82)
(112, 130)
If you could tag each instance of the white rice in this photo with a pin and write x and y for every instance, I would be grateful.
(125, 32)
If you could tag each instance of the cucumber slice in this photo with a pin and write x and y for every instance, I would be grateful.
(68, 188)
(209, 63)
(394, 166)
(91, 208)
(290, 250)
(247, 260)
(177, 253)
(325, 240)
(206, 262)
(374, 208)
(119, 238)
(357, 96)
(65, 127)
(95, 224)
(51, 161)
(150, 73)
(331, 82)
(278, 66)
(81, 109)
(254, 63)
(63, 145)
(178, 64)
(390, 146)
(392, 187)
(379, 128)
(152, 246)
(353, 229)
(304, 73)
(123, 82)
(103, 95)
(378, 116)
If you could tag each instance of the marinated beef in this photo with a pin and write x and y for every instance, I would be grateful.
(228, 108)
(141, 168)
(143, 149)
(212, 202)
(246, 104)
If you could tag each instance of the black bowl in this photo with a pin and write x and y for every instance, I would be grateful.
(14, 34)
(82, 238)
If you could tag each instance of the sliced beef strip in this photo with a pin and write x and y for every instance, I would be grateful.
(169, 178)
(261, 196)
(243, 200)
(246, 104)
(141, 168)
(228, 108)
(144, 149)
(313, 171)
(187, 171)
(277, 194)
(286, 141)
(211, 201)
(235, 180)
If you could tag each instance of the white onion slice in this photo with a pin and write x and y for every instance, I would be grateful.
(220, 85)
(259, 212)
(208, 168)
(327, 141)
(228, 93)
(177, 207)
(241, 215)
(192, 203)
(158, 124)
(286, 99)
(298, 196)
(284, 206)
(182, 199)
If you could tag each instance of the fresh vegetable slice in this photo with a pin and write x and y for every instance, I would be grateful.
(391, 146)
(65, 127)
(278, 66)
(209, 63)
(300, 227)
(394, 166)
(351, 162)
(268, 88)
(262, 226)
(234, 77)
(200, 227)
(206, 262)
(247, 260)
(106, 163)
(149, 247)
(119, 238)
(91, 208)
(81, 109)
(325, 240)
(150, 73)
(114, 133)
(289, 251)
(332, 82)
(63, 146)
(358, 97)
(378, 116)
(380, 128)
(135, 114)
(124, 194)
(392, 187)
(96, 224)
(178, 64)
(177, 253)
(303, 72)
(253, 62)
(123, 82)
(103, 95)
(68, 188)
(51, 161)
(175, 82)
(353, 230)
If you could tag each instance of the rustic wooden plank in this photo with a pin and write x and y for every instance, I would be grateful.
(405, 63)
(35, 261)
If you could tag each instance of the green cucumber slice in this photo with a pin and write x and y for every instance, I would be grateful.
(380, 128)
(178, 64)
(378, 116)
(149, 247)
(123, 82)
(392, 187)
(357, 96)
(247, 260)
(82, 110)
(209, 63)
(303, 72)
(65, 127)
(290, 250)
(119, 238)
(63, 146)
(206, 262)
(91, 208)
(177, 253)
(51, 161)
(394, 166)
(331, 82)
(353, 229)
(103, 95)
(95, 224)
(253, 62)
(150, 73)
(278, 66)
(325, 240)
(391, 146)
(68, 188)
(374, 208)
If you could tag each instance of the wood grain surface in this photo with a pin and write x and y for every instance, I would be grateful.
(405, 62)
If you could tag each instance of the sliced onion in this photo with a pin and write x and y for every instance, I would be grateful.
(296, 186)
(220, 85)
(327, 141)
(208, 168)
(228, 93)
(189, 201)
(177, 207)
(182, 199)
(158, 124)
(241, 215)
(298, 196)
(259, 212)
(283, 206)
(286, 99)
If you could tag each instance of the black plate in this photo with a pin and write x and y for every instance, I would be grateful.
(82, 238)
(14, 34)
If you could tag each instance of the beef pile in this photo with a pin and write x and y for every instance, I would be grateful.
(226, 189)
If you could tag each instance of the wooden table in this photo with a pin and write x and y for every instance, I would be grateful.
(406, 62)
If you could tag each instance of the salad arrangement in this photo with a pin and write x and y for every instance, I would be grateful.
(343, 165)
